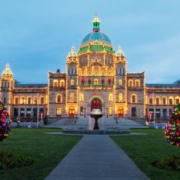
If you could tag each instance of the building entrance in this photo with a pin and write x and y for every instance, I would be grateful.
(71, 111)
(120, 112)
(96, 104)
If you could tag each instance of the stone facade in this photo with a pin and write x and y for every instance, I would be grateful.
(95, 77)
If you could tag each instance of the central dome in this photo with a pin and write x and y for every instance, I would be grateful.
(96, 37)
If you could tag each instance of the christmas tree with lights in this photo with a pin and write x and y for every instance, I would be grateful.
(172, 131)
(5, 122)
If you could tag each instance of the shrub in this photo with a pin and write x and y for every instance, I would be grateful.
(9, 160)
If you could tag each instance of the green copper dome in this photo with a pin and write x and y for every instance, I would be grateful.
(96, 37)
(96, 40)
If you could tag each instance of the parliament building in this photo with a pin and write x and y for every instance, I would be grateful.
(95, 77)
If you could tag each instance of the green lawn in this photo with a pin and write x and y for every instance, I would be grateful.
(47, 150)
(144, 149)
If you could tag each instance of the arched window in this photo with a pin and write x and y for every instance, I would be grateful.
(29, 100)
(34, 100)
(16, 100)
(130, 83)
(42, 100)
(81, 97)
(55, 83)
(62, 83)
(157, 101)
(164, 100)
(133, 98)
(110, 97)
(151, 101)
(137, 83)
(120, 97)
(120, 82)
(58, 98)
(71, 97)
(72, 82)
(171, 101)
(177, 100)
(22, 100)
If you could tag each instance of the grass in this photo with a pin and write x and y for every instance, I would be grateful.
(145, 149)
(46, 149)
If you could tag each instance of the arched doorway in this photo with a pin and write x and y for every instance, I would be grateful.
(96, 104)
(120, 112)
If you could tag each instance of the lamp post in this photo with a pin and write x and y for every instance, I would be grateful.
(37, 109)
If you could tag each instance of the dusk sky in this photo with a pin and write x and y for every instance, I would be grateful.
(37, 35)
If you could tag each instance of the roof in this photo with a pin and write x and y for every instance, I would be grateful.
(163, 85)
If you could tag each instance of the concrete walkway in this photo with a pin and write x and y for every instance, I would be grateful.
(96, 157)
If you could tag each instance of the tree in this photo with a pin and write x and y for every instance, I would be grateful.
(172, 130)
(5, 122)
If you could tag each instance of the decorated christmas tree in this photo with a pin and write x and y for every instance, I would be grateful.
(172, 131)
(5, 122)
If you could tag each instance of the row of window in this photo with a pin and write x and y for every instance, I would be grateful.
(133, 83)
(57, 83)
(28, 112)
(164, 101)
(29, 100)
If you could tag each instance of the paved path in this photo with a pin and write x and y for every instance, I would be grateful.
(96, 157)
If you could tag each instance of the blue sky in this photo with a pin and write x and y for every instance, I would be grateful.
(37, 35)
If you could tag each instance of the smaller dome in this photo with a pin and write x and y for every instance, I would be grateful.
(120, 52)
(72, 53)
(7, 70)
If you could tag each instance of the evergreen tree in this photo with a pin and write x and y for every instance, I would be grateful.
(172, 131)
(5, 122)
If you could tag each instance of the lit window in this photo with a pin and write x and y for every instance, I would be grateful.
(133, 98)
(110, 97)
(81, 97)
(55, 83)
(120, 97)
(72, 82)
(58, 98)
(58, 111)
(71, 97)
(95, 81)
(120, 82)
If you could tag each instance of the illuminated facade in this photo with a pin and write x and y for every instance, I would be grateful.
(95, 77)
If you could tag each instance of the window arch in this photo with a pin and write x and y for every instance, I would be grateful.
(62, 83)
(71, 97)
(29, 100)
(59, 98)
(171, 100)
(151, 101)
(34, 100)
(72, 82)
(16, 100)
(55, 83)
(137, 83)
(41, 100)
(130, 83)
(81, 97)
(176, 100)
(120, 82)
(22, 100)
(110, 97)
(120, 97)
(133, 98)
(164, 100)
(157, 101)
